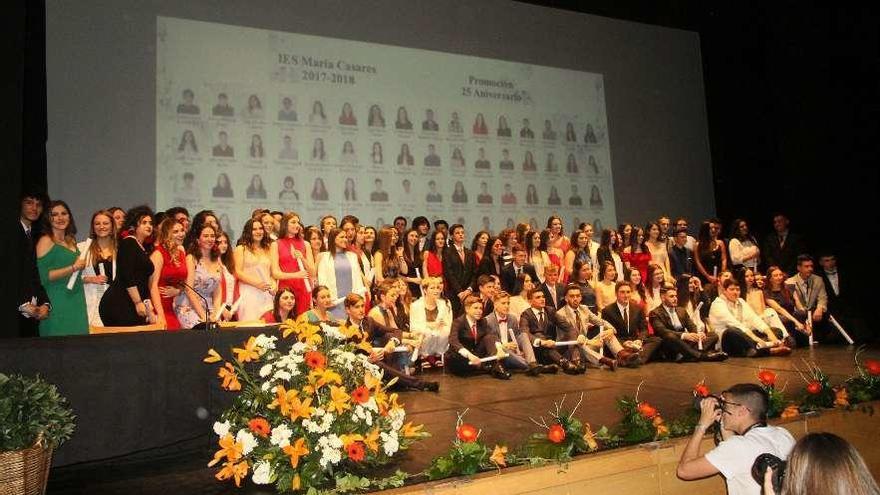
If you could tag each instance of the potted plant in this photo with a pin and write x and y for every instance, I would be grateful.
(34, 420)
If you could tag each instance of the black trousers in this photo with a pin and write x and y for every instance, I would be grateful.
(459, 365)
(673, 345)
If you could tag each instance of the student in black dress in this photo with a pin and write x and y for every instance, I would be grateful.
(123, 305)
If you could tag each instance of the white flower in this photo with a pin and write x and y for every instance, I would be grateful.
(247, 441)
(266, 386)
(281, 436)
(262, 473)
(397, 417)
(319, 427)
(389, 443)
(332, 332)
(281, 375)
(266, 371)
(371, 404)
(265, 342)
(298, 348)
(221, 429)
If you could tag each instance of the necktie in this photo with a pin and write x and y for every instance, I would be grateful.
(518, 269)
(474, 332)
(541, 318)
(781, 241)
(626, 318)
(27, 232)
(502, 320)
(577, 320)
(460, 253)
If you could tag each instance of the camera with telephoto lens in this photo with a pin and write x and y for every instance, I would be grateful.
(759, 467)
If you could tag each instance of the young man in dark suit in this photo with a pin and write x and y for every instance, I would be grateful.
(387, 338)
(471, 339)
(32, 301)
(554, 292)
(630, 324)
(538, 320)
(510, 272)
(679, 333)
(459, 267)
(782, 247)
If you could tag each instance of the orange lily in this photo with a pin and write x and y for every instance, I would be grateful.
(249, 353)
(212, 357)
(590, 438)
(232, 470)
(230, 379)
(841, 398)
(339, 400)
(295, 451)
(389, 405)
(283, 398)
(410, 431)
(372, 440)
(371, 382)
(301, 409)
(350, 439)
(319, 378)
(498, 456)
(229, 449)
(790, 412)
(295, 484)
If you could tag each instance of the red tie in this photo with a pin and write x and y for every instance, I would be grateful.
(474, 332)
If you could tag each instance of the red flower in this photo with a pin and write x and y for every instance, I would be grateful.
(814, 387)
(356, 451)
(466, 433)
(767, 378)
(556, 433)
(260, 426)
(701, 390)
(316, 360)
(872, 366)
(360, 394)
(647, 410)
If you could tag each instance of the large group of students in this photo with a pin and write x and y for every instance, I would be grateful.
(539, 301)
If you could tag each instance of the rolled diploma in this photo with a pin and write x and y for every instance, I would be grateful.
(82, 256)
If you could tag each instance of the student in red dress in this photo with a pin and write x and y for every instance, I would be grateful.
(169, 262)
(637, 256)
(284, 308)
(292, 256)
(433, 263)
(479, 244)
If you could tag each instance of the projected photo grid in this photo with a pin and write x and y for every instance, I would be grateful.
(283, 141)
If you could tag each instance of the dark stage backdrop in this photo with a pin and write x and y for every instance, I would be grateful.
(101, 71)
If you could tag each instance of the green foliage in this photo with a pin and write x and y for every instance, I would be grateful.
(822, 400)
(777, 401)
(683, 426)
(29, 408)
(463, 459)
(633, 428)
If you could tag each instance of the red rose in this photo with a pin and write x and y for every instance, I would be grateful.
(466, 433)
(767, 378)
(360, 394)
(814, 387)
(701, 390)
(356, 451)
(260, 426)
(647, 410)
(315, 360)
(872, 366)
(556, 433)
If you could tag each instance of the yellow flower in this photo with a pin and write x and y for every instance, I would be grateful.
(283, 399)
(367, 347)
(295, 484)
(657, 420)
(372, 440)
(662, 431)
(229, 449)
(388, 405)
(841, 398)
(230, 379)
(319, 378)
(410, 431)
(301, 409)
(212, 357)
(350, 439)
(295, 451)
(351, 332)
(790, 412)
(498, 456)
(590, 438)
(372, 382)
(339, 400)
(249, 353)
(232, 470)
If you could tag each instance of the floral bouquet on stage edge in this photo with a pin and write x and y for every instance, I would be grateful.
(641, 422)
(864, 386)
(316, 418)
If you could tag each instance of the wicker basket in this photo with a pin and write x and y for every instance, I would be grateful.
(25, 472)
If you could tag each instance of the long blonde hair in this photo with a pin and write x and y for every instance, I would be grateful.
(826, 463)
(94, 249)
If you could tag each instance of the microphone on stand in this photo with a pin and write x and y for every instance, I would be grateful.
(207, 324)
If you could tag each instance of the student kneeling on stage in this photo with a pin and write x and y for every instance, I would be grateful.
(470, 339)
(387, 338)
(574, 319)
(679, 332)
(743, 333)
(741, 417)
(514, 340)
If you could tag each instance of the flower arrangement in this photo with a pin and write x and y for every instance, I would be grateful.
(778, 402)
(565, 436)
(641, 421)
(314, 418)
(32, 411)
(818, 393)
(864, 386)
(468, 455)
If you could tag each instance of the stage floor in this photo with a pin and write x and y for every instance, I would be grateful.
(500, 408)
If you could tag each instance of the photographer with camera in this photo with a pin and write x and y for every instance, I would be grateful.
(739, 415)
(819, 463)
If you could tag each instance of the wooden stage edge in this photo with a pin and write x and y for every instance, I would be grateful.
(649, 468)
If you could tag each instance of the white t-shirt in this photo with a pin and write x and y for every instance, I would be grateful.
(734, 457)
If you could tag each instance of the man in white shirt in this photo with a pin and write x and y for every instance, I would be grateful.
(741, 416)
(742, 331)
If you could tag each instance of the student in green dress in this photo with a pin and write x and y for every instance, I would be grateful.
(58, 259)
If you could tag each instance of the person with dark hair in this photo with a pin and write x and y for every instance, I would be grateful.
(539, 320)
(810, 297)
(743, 333)
(179, 214)
(169, 261)
(525, 132)
(681, 336)
(222, 108)
(322, 301)
(824, 463)
(432, 264)
(340, 272)
(294, 261)
(741, 418)
(574, 321)
(630, 324)
(681, 259)
(223, 149)
(782, 247)
(32, 300)
(402, 123)
(471, 339)
(188, 106)
(637, 256)
(283, 309)
(518, 266)
(253, 269)
(204, 271)
(608, 253)
(287, 112)
(492, 262)
(124, 303)
(710, 253)
(743, 247)
(58, 259)
(459, 267)
(421, 225)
